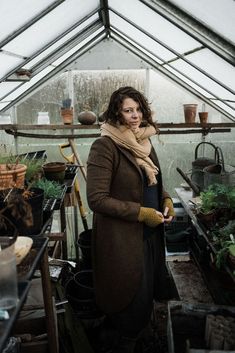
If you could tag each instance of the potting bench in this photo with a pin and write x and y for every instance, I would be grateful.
(220, 284)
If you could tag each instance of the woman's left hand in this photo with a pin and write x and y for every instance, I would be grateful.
(168, 210)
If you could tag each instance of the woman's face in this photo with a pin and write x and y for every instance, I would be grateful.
(131, 113)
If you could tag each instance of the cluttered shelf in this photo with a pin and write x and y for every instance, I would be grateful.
(36, 258)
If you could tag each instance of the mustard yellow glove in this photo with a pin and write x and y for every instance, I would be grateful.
(150, 217)
(168, 203)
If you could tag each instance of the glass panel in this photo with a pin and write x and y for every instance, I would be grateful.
(76, 48)
(140, 37)
(6, 87)
(202, 80)
(8, 63)
(11, 10)
(217, 14)
(215, 66)
(60, 42)
(141, 49)
(29, 84)
(50, 27)
(150, 21)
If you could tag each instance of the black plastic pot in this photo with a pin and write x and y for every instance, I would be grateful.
(79, 291)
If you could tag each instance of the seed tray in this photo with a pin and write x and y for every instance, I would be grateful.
(34, 155)
(186, 326)
(53, 204)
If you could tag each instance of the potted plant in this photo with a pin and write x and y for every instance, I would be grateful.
(224, 241)
(66, 111)
(217, 204)
(51, 188)
(12, 173)
(54, 171)
(34, 169)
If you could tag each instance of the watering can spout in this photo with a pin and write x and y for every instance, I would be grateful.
(194, 187)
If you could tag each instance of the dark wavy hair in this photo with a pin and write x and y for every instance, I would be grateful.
(113, 113)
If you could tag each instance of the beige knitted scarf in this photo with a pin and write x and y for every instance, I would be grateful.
(138, 143)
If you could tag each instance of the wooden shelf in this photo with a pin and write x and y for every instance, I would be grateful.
(17, 127)
(59, 129)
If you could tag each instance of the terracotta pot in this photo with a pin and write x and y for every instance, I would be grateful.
(87, 117)
(54, 171)
(190, 111)
(208, 219)
(67, 115)
(12, 175)
(203, 117)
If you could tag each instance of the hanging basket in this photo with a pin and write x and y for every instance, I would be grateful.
(12, 175)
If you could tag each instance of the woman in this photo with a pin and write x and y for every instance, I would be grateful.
(125, 192)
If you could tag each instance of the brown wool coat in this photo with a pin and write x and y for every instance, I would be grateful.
(115, 194)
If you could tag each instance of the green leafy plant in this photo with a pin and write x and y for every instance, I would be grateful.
(51, 188)
(225, 243)
(217, 196)
(34, 168)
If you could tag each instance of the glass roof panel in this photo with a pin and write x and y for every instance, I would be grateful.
(216, 14)
(76, 48)
(29, 84)
(60, 42)
(50, 27)
(8, 63)
(138, 46)
(141, 15)
(11, 20)
(6, 87)
(140, 37)
(216, 66)
(202, 80)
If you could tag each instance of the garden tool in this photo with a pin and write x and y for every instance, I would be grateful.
(71, 159)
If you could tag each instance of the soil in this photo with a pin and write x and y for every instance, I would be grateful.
(191, 289)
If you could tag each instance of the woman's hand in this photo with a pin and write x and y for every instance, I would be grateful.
(168, 210)
(150, 216)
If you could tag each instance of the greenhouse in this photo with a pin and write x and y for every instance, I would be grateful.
(117, 143)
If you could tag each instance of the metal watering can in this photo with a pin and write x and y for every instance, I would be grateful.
(196, 182)
(219, 173)
(200, 163)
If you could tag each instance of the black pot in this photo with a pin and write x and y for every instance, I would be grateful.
(80, 293)
(84, 243)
